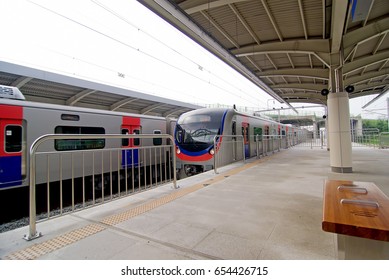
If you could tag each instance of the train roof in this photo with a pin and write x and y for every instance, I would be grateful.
(11, 93)
(208, 110)
(46, 106)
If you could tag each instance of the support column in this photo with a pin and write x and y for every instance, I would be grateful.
(339, 132)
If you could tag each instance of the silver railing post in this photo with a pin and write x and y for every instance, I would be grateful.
(32, 234)
(214, 155)
(174, 161)
(33, 164)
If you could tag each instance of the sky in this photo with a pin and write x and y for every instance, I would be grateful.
(123, 44)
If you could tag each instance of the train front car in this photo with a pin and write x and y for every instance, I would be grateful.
(194, 136)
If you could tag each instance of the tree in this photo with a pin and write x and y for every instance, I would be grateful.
(381, 125)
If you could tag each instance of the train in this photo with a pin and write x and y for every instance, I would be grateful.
(104, 162)
(22, 122)
(236, 133)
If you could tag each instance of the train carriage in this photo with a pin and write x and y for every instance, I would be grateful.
(22, 122)
(236, 133)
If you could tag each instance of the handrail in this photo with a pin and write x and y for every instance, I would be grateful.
(44, 138)
(215, 147)
(381, 142)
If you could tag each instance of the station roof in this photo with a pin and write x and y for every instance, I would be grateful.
(287, 48)
(43, 86)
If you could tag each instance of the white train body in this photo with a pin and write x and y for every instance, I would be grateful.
(195, 132)
(22, 122)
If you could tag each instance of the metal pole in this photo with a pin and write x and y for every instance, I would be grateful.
(214, 155)
(32, 166)
(387, 105)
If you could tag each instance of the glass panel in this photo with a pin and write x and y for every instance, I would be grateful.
(13, 138)
(79, 144)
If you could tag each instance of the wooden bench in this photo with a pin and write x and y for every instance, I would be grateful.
(358, 212)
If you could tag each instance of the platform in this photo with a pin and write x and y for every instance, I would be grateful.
(268, 208)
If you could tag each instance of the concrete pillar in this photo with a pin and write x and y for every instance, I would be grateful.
(339, 132)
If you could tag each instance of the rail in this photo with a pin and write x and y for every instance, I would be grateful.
(88, 172)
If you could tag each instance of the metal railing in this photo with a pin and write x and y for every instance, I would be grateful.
(231, 148)
(384, 140)
(359, 138)
(227, 149)
(270, 143)
(313, 139)
(84, 178)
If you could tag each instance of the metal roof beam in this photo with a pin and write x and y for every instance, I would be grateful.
(220, 29)
(191, 6)
(74, 99)
(373, 85)
(339, 12)
(374, 99)
(361, 35)
(312, 45)
(20, 82)
(308, 87)
(121, 103)
(175, 112)
(303, 19)
(243, 21)
(151, 108)
(273, 21)
(323, 57)
(365, 62)
(366, 77)
(303, 73)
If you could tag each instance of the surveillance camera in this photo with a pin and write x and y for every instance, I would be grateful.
(350, 88)
(325, 92)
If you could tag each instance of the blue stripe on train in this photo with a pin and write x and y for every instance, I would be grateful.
(10, 171)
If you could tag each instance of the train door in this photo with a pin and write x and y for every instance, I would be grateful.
(234, 144)
(130, 156)
(246, 137)
(12, 153)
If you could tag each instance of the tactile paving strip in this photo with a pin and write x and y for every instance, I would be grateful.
(121, 217)
(40, 249)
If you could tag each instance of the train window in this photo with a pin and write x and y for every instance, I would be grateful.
(136, 140)
(197, 119)
(125, 141)
(79, 144)
(13, 138)
(157, 141)
(257, 131)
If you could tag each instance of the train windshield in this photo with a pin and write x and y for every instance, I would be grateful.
(196, 132)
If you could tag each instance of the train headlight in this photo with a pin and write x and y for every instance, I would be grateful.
(211, 151)
(178, 151)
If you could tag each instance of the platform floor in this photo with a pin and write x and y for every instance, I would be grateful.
(269, 208)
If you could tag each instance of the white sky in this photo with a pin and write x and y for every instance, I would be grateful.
(98, 39)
